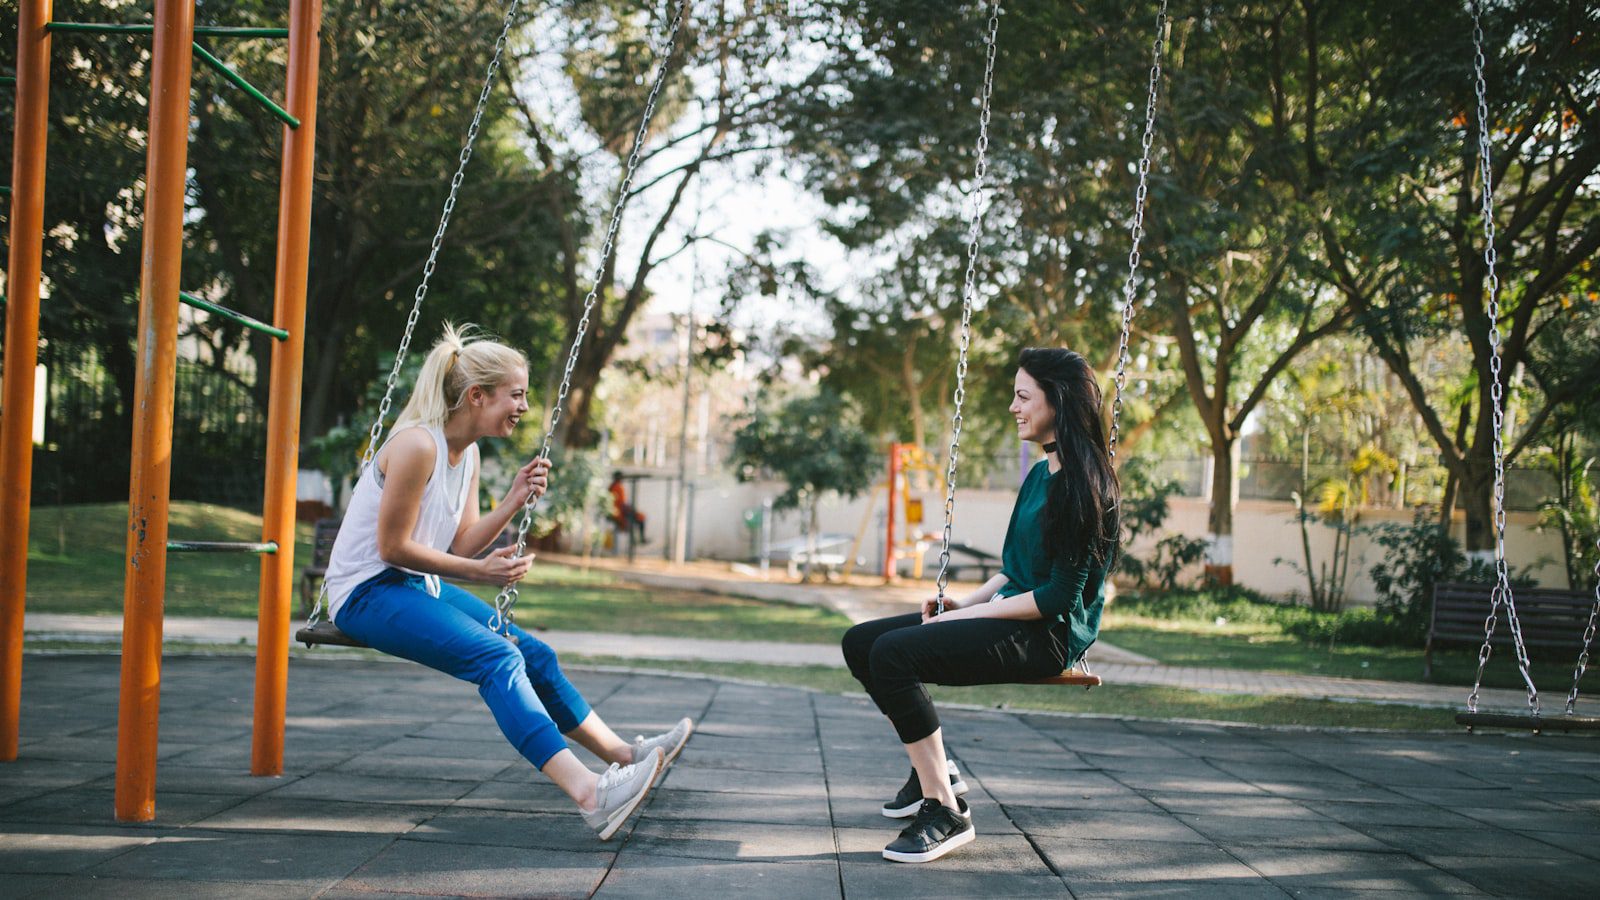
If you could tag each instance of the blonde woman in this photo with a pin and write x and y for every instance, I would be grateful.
(413, 520)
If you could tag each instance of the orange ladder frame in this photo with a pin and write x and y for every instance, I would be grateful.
(156, 372)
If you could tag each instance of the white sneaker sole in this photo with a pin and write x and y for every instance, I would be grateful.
(945, 846)
(906, 812)
(620, 816)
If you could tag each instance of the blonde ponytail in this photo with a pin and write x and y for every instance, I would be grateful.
(459, 360)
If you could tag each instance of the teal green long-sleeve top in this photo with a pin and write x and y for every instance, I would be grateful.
(1070, 594)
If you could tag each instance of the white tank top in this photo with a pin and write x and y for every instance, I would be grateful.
(355, 551)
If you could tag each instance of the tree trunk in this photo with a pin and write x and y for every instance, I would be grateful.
(1219, 525)
(1477, 500)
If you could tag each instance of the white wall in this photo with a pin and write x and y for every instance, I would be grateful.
(1263, 531)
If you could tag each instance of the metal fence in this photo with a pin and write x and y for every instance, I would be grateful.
(218, 437)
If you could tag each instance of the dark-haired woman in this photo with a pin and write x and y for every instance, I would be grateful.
(1034, 619)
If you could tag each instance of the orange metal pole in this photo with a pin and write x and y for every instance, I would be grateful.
(22, 352)
(283, 410)
(150, 475)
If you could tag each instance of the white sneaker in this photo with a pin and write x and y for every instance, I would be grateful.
(670, 743)
(621, 790)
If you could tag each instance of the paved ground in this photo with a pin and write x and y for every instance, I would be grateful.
(399, 784)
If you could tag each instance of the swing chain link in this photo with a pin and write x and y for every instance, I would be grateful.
(1502, 590)
(969, 288)
(375, 433)
(507, 598)
(1588, 636)
(1136, 230)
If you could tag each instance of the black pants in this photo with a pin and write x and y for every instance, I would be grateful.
(894, 657)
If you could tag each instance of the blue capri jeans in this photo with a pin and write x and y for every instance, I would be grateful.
(533, 703)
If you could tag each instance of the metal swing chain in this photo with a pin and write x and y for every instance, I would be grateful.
(969, 288)
(375, 433)
(507, 598)
(1502, 589)
(1588, 635)
(1136, 230)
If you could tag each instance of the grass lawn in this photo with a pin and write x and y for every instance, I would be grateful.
(1266, 648)
(88, 579)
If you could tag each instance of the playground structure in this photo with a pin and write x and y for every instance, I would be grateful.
(173, 53)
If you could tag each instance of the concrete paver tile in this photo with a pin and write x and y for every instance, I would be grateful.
(735, 841)
(529, 831)
(381, 765)
(1102, 824)
(1360, 815)
(744, 807)
(83, 887)
(1218, 784)
(651, 877)
(1427, 842)
(94, 805)
(1297, 869)
(1324, 834)
(1552, 819)
(1515, 876)
(301, 863)
(938, 881)
(736, 781)
(271, 812)
(64, 849)
(1242, 889)
(424, 867)
(1142, 861)
(345, 787)
(809, 764)
(1253, 805)
(526, 797)
(1581, 844)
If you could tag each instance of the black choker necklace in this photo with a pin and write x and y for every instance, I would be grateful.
(1051, 447)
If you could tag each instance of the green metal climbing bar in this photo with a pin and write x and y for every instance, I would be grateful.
(204, 55)
(226, 313)
(221, 547)
(220, 31)
(239, 82)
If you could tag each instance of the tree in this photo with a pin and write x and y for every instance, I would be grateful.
(713, 109)
(1379, 100)
(815, 445)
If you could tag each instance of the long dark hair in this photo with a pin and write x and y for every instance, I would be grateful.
(1082, 512)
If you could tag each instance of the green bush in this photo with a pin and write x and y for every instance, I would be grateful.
(1246, 607)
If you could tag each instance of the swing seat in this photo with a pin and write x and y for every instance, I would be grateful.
(325, 632)
(1528, 722)
(1073, 677)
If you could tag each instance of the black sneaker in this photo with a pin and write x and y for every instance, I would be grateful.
(935, 831)
(909, 800)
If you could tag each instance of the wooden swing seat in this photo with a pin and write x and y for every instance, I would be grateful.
(326, 633)
(1532, 723)
(1073, 677)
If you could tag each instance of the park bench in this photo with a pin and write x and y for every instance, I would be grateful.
(1549, 617)
(985, 562)
(321, 551)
